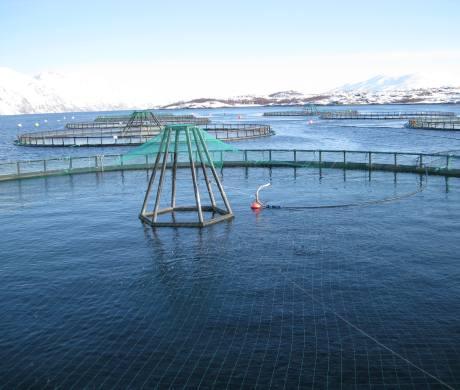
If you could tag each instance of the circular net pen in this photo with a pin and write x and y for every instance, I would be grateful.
(238, 132)
(386, 115)
(136, 132)
(435, 124)
(356, 297)
(120, 120)
(139, 128)
(164, 118)
(310, 110)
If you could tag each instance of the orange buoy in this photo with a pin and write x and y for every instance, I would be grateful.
(256, 205)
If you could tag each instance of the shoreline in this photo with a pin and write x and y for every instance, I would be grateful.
(236, 107)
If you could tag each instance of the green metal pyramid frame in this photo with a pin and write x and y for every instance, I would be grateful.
(195, 141)
(141, 121)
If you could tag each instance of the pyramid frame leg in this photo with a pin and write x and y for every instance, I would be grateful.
(216, 177)
(174, 170)
(194, 181)
(203, 169)
(152, 177)
(162, 177)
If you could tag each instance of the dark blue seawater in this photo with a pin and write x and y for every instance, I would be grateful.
(323, 298)
(363, 297)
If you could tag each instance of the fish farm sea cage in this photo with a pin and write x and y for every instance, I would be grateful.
(349, 278)
(117, 122)
(447, 165)
(385, 115)
(435, 124)
(162, 117)
(235, 132)
(135, 134)
(311, 110)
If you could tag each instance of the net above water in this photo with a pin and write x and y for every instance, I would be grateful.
(183, 139)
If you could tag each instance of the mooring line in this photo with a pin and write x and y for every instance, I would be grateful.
(346, 205)
(356, 204)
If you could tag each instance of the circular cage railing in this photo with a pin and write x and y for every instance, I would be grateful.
(385, 115)
(134, 135)
(119, 122)
(434, 124)
(447, 165)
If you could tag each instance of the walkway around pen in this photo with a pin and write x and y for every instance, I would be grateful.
(418, 163)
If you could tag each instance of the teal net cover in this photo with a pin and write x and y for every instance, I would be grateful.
(179, 143)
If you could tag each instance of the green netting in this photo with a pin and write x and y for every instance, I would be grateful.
(176, 139)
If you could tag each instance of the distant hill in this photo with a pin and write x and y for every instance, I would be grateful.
(348, 94)
(52, 92)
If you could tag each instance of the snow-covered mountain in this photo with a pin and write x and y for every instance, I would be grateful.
(21, 94)
(383, 83)
(54, 92)
(48, 92)
(382, 89)
(411, 88)
(337, 96)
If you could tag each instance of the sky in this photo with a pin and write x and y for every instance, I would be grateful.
(232, 47)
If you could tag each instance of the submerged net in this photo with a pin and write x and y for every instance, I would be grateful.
(179, 143)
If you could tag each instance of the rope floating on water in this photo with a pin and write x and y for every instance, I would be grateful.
(353, 204)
